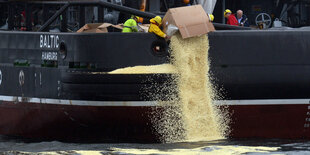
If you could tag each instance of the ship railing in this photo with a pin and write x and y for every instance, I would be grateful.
(64, 5)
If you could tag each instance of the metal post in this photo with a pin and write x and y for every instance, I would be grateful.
(10, 16)
(53, 18)
(100, 14)
(45, 12)
(28, 13)
(223, 9)
(154, 6)
(82, 16)
(64, 21)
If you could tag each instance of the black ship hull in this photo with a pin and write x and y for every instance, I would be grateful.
(56, 86)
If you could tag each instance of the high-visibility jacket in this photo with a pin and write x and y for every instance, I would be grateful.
(130, 26)
(154, 28)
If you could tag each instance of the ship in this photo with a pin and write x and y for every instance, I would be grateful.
(54, 84)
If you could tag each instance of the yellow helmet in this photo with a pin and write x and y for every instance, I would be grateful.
(158, 20)
(211, 17)
(135, 17)
(227, 11)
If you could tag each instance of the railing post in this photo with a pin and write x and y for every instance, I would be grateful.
(100, 14)
(82, 17)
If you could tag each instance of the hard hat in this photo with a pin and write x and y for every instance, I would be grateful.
(211, 17)
(227, 11)
(158, 20)
(186, 1)
(135, 17)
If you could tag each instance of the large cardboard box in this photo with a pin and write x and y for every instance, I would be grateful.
(98, 27)
(144, 27)
(93, 28)
(190, 20)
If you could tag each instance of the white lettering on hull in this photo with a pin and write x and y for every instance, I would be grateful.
(49, 41)
(49, 56)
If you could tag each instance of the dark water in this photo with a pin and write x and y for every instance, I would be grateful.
(250, 146)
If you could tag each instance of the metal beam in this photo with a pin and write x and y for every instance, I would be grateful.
(126, 9)
(54, 17)
(92, 3)
(104, 4)
(219, 26)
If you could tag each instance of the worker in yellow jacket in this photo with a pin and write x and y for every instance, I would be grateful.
(154, 27)
(211, 17)
(131, 24)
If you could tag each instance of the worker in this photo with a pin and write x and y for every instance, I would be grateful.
(231, 19)
(211, 17)
(242, 19)
(131, 24)
(154, 27)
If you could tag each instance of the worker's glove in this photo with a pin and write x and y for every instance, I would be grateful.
(168, 37)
